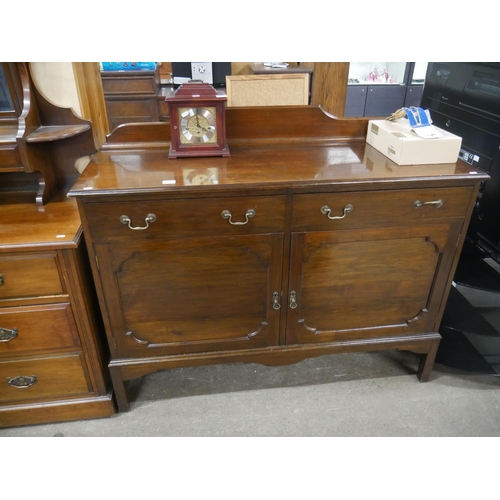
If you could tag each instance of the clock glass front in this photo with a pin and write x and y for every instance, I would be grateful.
(198, 125)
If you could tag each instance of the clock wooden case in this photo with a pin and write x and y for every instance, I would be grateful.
(197, 121)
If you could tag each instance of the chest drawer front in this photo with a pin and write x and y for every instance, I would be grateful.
(42, 378)
(10, 159)
(30, 329)
(31, 275)
(377, 208)
(186, 217)
(132, 85)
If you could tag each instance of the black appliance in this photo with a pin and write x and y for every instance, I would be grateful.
(464, 98)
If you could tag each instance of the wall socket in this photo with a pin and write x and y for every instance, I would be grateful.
(202, 71)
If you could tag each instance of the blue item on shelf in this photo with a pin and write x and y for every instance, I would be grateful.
(127, 66)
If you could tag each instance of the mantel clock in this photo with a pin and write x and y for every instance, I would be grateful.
(197, 121)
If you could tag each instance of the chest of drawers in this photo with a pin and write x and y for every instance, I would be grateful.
(131, 96)
(286, 250)
(52, 361)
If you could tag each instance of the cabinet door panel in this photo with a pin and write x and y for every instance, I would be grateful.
(383, 100)
(414, 95)
(368, 283)
(355, 100)
(192, 295)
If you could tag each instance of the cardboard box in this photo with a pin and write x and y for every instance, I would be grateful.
(397, 141)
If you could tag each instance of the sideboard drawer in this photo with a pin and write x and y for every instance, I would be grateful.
(42, 377)
(29, 275)
(346, 210)
(186, 217)
(30, 329)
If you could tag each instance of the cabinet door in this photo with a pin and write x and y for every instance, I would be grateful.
(192, 295)
(355, 100)
(366, 283)
(413, 95)
(383, 100)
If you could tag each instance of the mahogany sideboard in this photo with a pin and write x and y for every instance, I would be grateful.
(305, 241)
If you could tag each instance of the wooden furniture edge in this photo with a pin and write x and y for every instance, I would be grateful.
(57, 411)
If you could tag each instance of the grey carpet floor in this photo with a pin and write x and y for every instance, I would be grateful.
(344, 395)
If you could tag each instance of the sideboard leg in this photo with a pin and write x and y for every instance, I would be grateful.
(119, 388)
(427, 361)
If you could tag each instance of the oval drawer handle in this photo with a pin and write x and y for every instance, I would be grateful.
(21, 382)
(226, 214)
(125, 219)
(436, 203)
(325, 210)
(7, 335)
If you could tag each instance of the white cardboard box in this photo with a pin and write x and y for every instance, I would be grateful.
(396, 140)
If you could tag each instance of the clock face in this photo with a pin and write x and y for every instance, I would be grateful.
(198, 125)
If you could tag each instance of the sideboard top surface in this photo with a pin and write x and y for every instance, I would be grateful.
(272, 148)
(265, 167)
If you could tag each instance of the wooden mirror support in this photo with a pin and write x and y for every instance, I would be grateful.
(39, 142)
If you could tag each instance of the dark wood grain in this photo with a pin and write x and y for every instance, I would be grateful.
(330, 86)
(367, 283)
(184, 218)
(131, 96)
(347, 166)
(39, 329)
(25, 226)
(46, 142)
(56, 132)
(189, 288)
(55, 376)
(29, 275)
(47, 296)
(193, 295)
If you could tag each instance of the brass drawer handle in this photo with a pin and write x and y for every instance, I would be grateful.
(276, 301)
(7, 335)
(325, 210)
(436, 203)
(293, 300)
(21, 382)
(226, 214)
(125, 219)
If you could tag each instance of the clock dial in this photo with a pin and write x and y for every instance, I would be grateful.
(198, 125)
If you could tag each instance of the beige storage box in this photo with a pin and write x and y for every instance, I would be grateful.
(397, 141)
